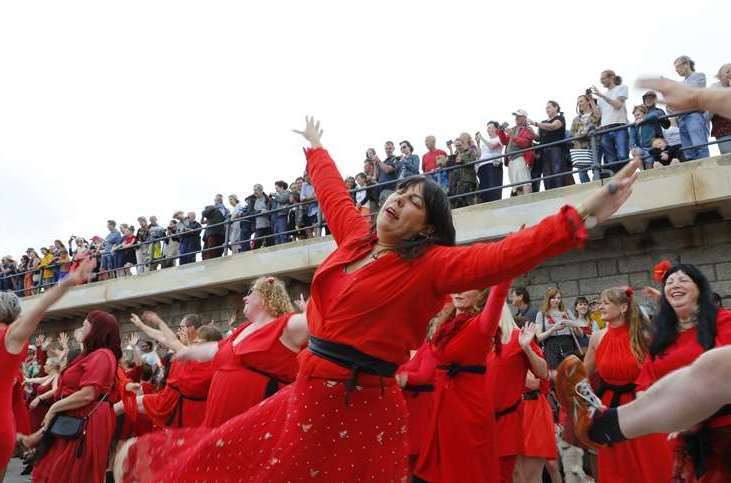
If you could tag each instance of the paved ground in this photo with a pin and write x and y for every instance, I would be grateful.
(12, 475)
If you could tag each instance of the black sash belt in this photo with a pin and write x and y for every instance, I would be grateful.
(506, 411)
(272, 381)
(531, 395)
(616, 390)
(419, 388)
(178, 412)
(454, 369)
(351, 358)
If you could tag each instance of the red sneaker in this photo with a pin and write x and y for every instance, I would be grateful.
(577, 398)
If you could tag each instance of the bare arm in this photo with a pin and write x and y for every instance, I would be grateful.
(538, 365)
(83, 397)
(682, 98)
(199, 352)
(590, 357)
(167, 336)
(296, 332)
(20, 331)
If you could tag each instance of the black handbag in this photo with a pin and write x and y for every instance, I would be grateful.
(71, 427)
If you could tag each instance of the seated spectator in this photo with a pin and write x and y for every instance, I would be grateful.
(409, 162)
(280, 201)
(386, 171)
(517, 138)
(364, 199)
(490, 171)
(114, 237)
(721, 126)
(587, 120)
(554, 159)
(190, 239)
(664, 154)
(263, 224)
(142, 250)
(215, 233)
(156, 234)
(462, 180)
(429, 162)
(693, 126)
(615, 144)
(641, 133)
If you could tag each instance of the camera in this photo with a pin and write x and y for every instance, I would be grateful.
(588, 92)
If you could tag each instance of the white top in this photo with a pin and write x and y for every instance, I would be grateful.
(672, 135)
(361, 195)
(545, 321)
(490, 147)
(610, 115)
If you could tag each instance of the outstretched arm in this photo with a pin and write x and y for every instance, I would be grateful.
(490, 315)
(170, 340)
(20, 331)
(538, 365)
(682, 98)
(337, 207)
(420, 369)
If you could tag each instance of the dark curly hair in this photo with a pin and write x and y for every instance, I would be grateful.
(666, 321)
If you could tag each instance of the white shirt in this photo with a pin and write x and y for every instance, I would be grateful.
(610, 115)
(490, 148)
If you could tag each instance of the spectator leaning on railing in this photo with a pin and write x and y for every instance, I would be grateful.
(554, 159)
(409, 162)
(641, 133)
(612, 105)
(462, 180)
(490, 173)
(386, 170)
(516, 138)
(429, 162)
(215, 233)
(721, 126)
(157, 233)
(263, 223)
(112, 238)
(694, 125)
(190, 239)
(649, 100)
(587, 119)
(280, 201)
(142, 252)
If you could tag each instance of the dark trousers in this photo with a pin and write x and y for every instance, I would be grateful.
(536, 172)
(490, 176)
(259, 234)
(554, 162)
(280, 226)
(215, 244)
(187, 247)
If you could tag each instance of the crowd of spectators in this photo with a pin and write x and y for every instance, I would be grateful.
(470, 170)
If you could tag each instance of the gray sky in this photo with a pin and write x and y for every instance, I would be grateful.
(115, 110)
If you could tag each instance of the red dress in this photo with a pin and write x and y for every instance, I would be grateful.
(61, 462)
(506, 373)
(539, 435)
(20, 408)
(39, 412)
(419, 392)
(681, 353)
(645, 459)
(306, 430)
(460, 440)
(182, 402)
(9, 372)
(240, 379)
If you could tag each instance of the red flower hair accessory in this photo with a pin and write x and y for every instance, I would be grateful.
(660, 270)
(629, 292)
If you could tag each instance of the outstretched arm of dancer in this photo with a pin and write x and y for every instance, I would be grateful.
(163, 334)
(490, 316)
(682, 98)
(538, 365)
(198, 352)
(420, 369)
(20, 331)
(338, 208)
(456, 269)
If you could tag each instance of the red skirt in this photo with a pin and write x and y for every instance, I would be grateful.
(168, 407)
(419, 405)
(61, 462)
(539, 436)
(302, 432)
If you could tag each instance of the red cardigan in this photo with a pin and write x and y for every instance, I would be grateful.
(523, 140)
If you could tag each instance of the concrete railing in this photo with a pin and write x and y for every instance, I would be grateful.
(676, 192)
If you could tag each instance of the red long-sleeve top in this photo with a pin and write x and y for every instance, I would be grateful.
(523, 139)
(382, 309)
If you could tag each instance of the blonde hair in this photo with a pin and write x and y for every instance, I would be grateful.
(633, 317)
(274, 294)
(507, 325)
(448, 312)
(550, 293)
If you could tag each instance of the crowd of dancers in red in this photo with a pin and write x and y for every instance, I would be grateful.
(331, 393)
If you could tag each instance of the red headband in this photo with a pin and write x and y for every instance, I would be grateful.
(660, 270)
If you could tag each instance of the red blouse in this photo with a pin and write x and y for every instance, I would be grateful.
(382, 309)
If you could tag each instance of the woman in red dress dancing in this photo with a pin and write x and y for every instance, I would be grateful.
(460, 438)
(507, 366)
(84, 390)
(258, 358)
(344, 419)
(182, 402)
(15, 330)
(45, 387)
(539, 435)
(616, 354)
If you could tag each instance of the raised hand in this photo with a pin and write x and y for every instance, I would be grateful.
(312, 132)
(134, 339)
(677, 96)
(301, 303)
(82, 274)
(605, 201)
(42, 341)
(63, 340)
(151, 318)
(527, 335)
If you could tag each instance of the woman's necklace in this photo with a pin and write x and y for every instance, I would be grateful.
(688, 323)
